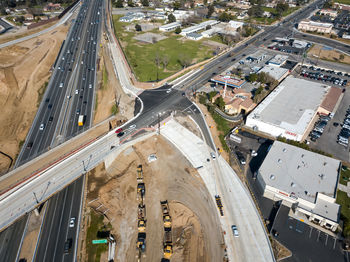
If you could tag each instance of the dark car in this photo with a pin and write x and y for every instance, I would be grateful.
(120, 134)
(50, 118)
(335, 124)
(67, 245)
(49, 106)
(47, 100)
(30, 145)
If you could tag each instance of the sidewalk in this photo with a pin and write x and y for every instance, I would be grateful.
(239, 209)
(345, 188)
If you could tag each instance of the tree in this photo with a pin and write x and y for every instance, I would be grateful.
(130, 3)
(256, 11)
(157, 62)
(145, 2)
(341, 57)
(220, 102)
(138, 28)
(176, 5)
(210, 10)
(212, 94)
(165, 61)
(171, 18)
(224, 17)
(327, 4)
(177, 30)
(119, 3)
(253, 77)
(184, 61)
(281, 7)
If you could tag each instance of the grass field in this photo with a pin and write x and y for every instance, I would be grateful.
(94, 251)
(141, 56)
(344, 201)
(344, 176)
(347, 2)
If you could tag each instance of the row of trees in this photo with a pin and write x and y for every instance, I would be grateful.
(257, 10)
(120, 3)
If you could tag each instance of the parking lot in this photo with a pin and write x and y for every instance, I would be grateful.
(328, 76)
(306, 243)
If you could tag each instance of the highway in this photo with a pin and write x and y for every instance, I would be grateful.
(57, 112)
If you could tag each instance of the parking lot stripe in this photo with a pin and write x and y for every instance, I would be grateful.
(326, 239)
(318, 236)
(310, 232)
(335, 241)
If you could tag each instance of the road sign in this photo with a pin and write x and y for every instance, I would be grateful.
(99, 241)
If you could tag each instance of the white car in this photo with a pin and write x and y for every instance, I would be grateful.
(42, 126)
(168, 91)
(213, 155)
(90, 85)
(61, 84)
(76, 91)
(132, 127)
(72, 222)
(235, 230)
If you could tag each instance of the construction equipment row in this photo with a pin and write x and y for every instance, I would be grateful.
(168, 236)
(141, 214)
(219, 204)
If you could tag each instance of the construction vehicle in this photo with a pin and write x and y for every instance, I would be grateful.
(219, 204)
(81, 120)
(168, 251)
(166, 216)
(168, 244)
(141, 225)
(141, 212)
(139, 174)
(141, 241)
(141, 192)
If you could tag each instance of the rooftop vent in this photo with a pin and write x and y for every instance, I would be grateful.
(284, 150)
(325, 163)
(302, 155)
(272, 177)
(321, 176)
(279, 160)
(292, 184)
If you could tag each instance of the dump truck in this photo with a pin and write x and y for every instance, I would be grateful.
(141, 212)
(141, 192)
(168, 244)
(81, 120)
(141, 225)
(139, 174)
(141, 241)
(219, 204)
(168, 238)
(166, 216)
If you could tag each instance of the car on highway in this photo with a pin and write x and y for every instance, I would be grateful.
(47, 100)
(118, 130)
(29, 145)
(78, 111)
(120, 134)
(90, 85)
(68, 245)
(168, 91)
(42, 126)
(72, 222)
(50, 118)
(212, 154)
(61, 84)
(235, 230)
(49, 106)
(132, 127)
(76, 91)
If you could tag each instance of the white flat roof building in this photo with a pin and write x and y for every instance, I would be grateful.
(169, 27)
(303, 179)
(196, 28)
(276, 72)
(236, 25)
(278, 60)
(289, 109)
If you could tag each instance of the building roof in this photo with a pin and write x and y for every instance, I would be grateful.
(278, 59)
(236, 24)
(257, 55)
(317, 24)
(300, 172)
(230, 81)
(274, 71)
(248, 103)
(171, 25)
(198, 27)
(291, 105)
(194, 35)
(331, 99)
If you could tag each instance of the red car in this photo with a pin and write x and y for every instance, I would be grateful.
(119, 130)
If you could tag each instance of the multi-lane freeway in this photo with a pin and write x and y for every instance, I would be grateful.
(70, 90)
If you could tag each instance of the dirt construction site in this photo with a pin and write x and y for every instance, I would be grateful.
(24, 69)
(185, 227)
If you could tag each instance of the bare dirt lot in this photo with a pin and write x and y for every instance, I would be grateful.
(330, 55)
(24, 69)
(110, 92)
(196, 232)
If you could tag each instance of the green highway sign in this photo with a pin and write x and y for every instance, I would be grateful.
(99, 241)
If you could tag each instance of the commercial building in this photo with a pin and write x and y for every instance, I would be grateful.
(228, 81)
(278, 60)
(236, 25)
(257, 56)
(275, 72)
(196, 28)
(329, 12)
(169, 27)
(131, 16)
(289, 109)
(303, 180)
(194, 36)
(312, 26)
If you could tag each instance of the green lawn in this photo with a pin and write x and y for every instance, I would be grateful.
(344, 201)
(94, 251)
(346, 2)
(344, 175)
(141, 56)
